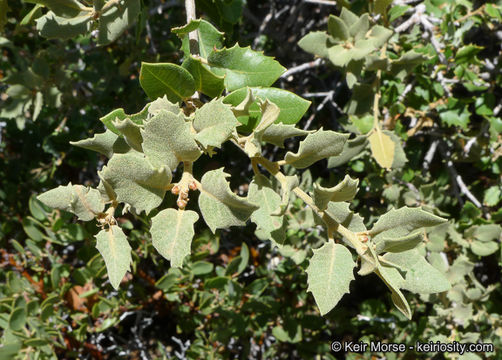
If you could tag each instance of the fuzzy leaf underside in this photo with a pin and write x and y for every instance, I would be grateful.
(330, 272)
(344, 191)
(84, 202)
(214, 123)
(316, 146)
(172, 233)
(113, 246)
(269, 226)
(167, 140)
(136, 181)
(220, 207)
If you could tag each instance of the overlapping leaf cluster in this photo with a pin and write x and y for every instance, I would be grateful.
(146, 149)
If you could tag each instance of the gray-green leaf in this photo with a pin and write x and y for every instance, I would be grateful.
(344, 191)
(421, 277)
(131, 132)
(172, 233)
(329, 274)
(52, 26)
(214, 123)
(84, 202)
(402, 222)
(106, 143)
(167, 140)
(114, 21)
(277, 133)
(116, 251)
(261, 194)
(220, 207)
(316, 146)
(136, 181)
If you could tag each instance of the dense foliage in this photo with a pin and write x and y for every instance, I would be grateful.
(392, 172)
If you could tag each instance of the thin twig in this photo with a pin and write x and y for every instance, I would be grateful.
(302, 67)
(321, 2)
(457, 181)
(192, 36)
(153, 48)
(430, 155)
(263, 26)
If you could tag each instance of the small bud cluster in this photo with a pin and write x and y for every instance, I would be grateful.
(183, 194)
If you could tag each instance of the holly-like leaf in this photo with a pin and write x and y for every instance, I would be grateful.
(52, 26)
(172, 233)
(116, 19)
(398, 244)
(107, 143)
(340, 212)
(269, 226)
(209, 38)
(119, 114)
(131, 132)
(351, 150)
(344, 191)
(136, 181)
(167, 140)
(330, 272)
(277, 133)
(292, 107)
(206, 81)
(84, 202)
(170, 80)
(382, 148)
(214, 122)
(113, 246)
(402, 222)
(244, 67)
(220, 207)
(421, 277)
(316, 146)
(155, 107)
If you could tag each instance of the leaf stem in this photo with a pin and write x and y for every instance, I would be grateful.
(353, 239)
(376, 99)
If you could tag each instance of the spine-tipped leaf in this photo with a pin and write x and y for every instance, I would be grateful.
(315, 147)
(402, 222)
(136, 181)
(84, 202)
(167, 140)
(244, 67)
(344, 191)
(214, 123)
(171, 80)
(220, 207)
